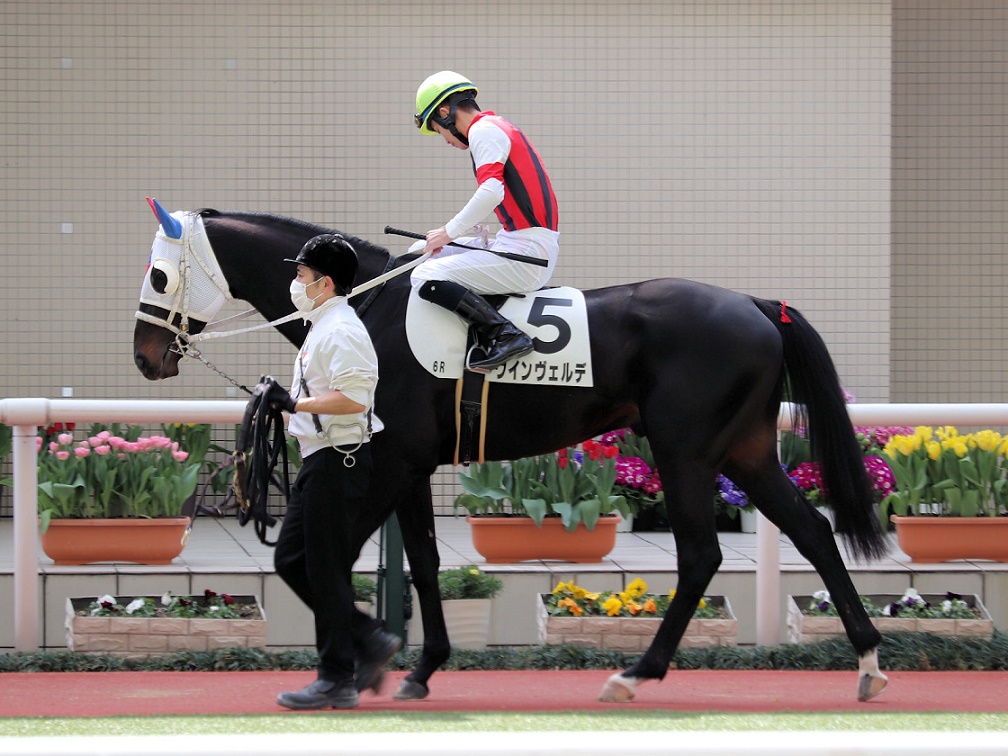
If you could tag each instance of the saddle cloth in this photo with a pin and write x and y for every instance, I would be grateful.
(555, 318)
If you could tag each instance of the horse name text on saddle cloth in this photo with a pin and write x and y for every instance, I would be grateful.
(556, 319)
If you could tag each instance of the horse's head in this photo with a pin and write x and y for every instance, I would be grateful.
(183, 289)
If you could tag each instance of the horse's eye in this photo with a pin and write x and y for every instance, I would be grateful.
(164, 277)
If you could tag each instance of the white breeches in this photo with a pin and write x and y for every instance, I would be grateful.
(487, 273)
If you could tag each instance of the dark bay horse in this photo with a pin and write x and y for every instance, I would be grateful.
(699, 370)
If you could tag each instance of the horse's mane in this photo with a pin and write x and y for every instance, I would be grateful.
(262, 218)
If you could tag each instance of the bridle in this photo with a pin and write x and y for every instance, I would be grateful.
(189, 251)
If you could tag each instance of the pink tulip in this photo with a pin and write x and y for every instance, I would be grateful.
(65, 438)
(82, 451)
(38, 444)
(180, 456)
(95, 441)
(103, 449)
(62, 455)
(104, 435)
(53, 447)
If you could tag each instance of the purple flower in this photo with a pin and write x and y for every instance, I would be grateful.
(730, 493)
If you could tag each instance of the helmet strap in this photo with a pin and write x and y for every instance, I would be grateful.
(448, 122)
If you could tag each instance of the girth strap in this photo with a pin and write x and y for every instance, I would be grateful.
(471, 392)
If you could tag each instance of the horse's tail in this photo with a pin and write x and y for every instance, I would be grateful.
(813, 384)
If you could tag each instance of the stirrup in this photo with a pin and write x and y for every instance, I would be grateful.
(500, 359)
(468, 360)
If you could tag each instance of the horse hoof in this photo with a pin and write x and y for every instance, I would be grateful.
(870, 686)
(619, 689)
(411, 691)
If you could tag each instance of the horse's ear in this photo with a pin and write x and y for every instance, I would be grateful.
(171, 227)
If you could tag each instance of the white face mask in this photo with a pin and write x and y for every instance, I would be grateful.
(299, 297)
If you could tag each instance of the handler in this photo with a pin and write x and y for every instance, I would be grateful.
(513, 183)
(335, 375)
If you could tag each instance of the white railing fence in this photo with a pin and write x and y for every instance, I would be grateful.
(27, 414)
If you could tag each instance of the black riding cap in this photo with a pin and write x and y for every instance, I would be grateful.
(331, 255)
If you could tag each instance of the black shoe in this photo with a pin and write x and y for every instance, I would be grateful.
(376, 653)
(321, 694)
(509, 344)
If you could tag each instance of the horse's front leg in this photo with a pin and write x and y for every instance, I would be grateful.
(699, 556)
(416, 520)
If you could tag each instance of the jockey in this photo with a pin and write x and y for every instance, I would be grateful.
(511, 182)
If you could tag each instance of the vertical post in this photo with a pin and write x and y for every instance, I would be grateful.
(767, 582)
(26, 584)
(395, 581)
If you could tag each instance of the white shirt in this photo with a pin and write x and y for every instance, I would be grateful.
(337, 355)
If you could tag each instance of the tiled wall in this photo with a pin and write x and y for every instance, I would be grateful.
(744, 144)
(950, 201)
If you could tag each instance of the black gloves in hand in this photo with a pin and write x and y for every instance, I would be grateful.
(277, 396)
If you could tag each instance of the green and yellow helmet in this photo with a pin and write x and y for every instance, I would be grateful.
(434, 91)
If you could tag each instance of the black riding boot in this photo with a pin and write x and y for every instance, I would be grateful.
(497, 335)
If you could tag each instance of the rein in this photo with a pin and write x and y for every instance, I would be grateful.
(210, 331)
(260, 446)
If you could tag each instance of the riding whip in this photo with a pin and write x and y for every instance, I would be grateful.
(509, 255)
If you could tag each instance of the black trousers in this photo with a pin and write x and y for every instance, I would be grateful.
(313, 553)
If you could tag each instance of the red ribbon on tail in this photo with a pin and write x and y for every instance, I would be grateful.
(784, 317)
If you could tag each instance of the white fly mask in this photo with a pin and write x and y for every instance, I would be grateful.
(192, 283)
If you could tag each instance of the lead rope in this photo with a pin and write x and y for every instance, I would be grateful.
(261, 444)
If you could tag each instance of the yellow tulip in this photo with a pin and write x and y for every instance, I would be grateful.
(934, 450)
(988, 440)
(906, 445)
(924, 432)
(960, 449)
(947, 431)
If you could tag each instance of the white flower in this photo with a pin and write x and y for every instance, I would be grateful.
(946, 607)
(95, 610)
(166, 598)
(821, 596)
(887, 611)
(106, 599)
(911, 593)
(133, 605)
(213, 609)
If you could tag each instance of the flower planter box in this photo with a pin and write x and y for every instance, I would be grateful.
(803, 628)
(943, 539)
(632, 633)
(504, 540)
(140, 540)
(141, 637)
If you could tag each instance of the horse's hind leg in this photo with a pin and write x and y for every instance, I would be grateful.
(689, 499)
(782, 503)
